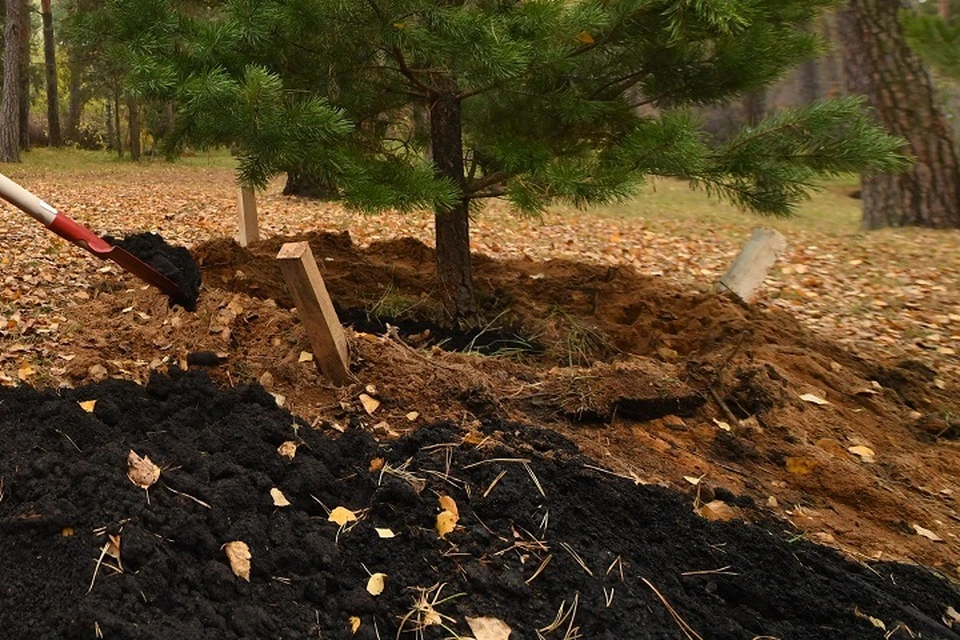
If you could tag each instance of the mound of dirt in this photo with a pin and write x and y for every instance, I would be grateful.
(545, 541)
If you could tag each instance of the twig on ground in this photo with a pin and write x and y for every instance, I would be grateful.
(186, 495)
(70, 439)
(722, 571)
(684, 627)
(723, 407)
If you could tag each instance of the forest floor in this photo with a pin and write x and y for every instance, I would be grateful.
(837, 423)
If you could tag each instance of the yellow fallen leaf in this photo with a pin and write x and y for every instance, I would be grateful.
(369, 404)
(141, 471)
(693, 480)
(722, 425)
(446, 522)
(342, 515)
(279, 500)
(67, 532)
(584, 37)
(487, 628)
(238, 553)
(88, 405)
(354, 624)
(815, 399)
(25, 371)
(866, 453)
(413, 415)
(385, 533)
(375, 464)
(717, 510)
(800, 466)
(375, 583)
(305, 356)
(926, 533)
(449, 504)
(288, 449)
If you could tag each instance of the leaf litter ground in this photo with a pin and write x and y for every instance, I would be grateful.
(546, 541)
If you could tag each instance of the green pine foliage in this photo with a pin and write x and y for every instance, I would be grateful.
(561, 100)
(936, 41)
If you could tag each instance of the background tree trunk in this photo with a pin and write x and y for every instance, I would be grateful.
(306, 186)
(754, 108)
(25, 34)
(454, 267)
(10, 101)
(118, 132)
(879, 64)
(75, 106)
(50, 66)
(133, 111)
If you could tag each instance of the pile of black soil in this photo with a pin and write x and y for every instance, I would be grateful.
(487, 340)
(175, 263)
(546, 541)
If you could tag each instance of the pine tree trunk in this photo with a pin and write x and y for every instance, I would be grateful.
(879, 64)
(754, 107)
(25, 33)
(75, 106)
(118, 131)
(133, 111)
(111, 137)
(10, 102)
(454, 268)
(50, 66)
(306, 186)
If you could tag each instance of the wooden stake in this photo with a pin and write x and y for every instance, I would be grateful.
(754, 261)
(247, 211)
(315, 310)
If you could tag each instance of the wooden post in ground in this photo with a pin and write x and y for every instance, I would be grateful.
(315, 310)
(247, 210)
(752, 264)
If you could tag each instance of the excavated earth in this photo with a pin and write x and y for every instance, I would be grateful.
(629, 460)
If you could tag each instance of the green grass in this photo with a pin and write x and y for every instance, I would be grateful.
(668, 204)
(70, 160)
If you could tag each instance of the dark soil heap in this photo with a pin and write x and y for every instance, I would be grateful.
(547, 542)
(175, 263)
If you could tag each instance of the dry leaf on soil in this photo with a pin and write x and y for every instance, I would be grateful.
(342, 515)
(288, 449)
(800, 466)
(141, 471)
(718, 510)
(449, 504)
(413, 415)
(446, 522)
(926, 533)
(489, 628)
(866, 453)
(354, 624)
(815, 399)
(385, 533)
(369, 404)
(375, 464)
(279, 500)
(88, 405)
(305, 356)
(238, 553)
(375, 583)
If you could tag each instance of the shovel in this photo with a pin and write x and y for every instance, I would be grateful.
(79, 235)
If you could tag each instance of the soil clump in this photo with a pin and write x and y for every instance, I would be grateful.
(174, 262)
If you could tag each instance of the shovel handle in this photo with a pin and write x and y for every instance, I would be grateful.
(26, 201)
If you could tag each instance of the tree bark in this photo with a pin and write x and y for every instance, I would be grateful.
(133, 111)
(454, 267)
(25, 34)
(10, 101)
(75, 105)
(879, 64)
(50, 66)
(306, 186)
(118, 131)
(754, 107)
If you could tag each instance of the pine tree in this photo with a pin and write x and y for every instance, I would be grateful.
(534, 101)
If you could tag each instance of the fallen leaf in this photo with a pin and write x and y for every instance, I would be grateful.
(877, 622)
(926, 533)
(112, 548)
(693, 479)
(449, 504)
(722, 425)
(288, 449)
(67, 532)
(584, 37)
(305, 356)
(342, 515)
(385, 533)
(375, 464)
(800, 466)
(815, 399)
(375, 584)
(279, 399)
(238, 553)
(369, 404)
(279, 500)
(951, 618)
(413, 415)
(446, 522)
(88, 405)
(25, 371)
(141, 471)
(354, 624)
(718, 510)
(487, 628)
(866, 453)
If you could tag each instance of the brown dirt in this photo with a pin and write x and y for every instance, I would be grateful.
(630, 367)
